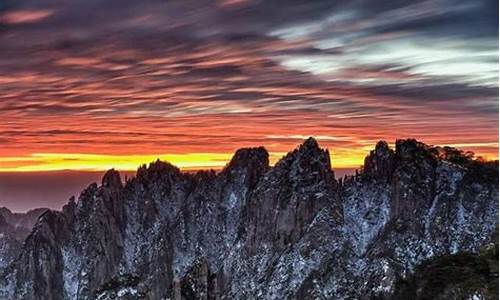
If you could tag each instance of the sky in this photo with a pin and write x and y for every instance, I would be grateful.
(86, 85)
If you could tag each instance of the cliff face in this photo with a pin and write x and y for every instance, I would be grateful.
(22, 221)
(14, 228)
(258, 232)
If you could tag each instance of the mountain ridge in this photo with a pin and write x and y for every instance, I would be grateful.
(252, 231)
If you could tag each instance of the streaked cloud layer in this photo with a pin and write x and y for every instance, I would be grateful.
(125, 81)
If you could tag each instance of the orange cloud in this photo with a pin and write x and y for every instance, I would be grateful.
(131, 99)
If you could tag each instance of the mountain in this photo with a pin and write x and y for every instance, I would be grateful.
(252, 231)
(22, 222)
(14, 228)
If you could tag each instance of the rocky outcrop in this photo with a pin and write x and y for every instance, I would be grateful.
(9, 243)
(22, 223)
(39, 268)
(413, 179)
(380, 163)
(14, 228)
(430, 213)
(199, 283)
(291, 194)
(251, 231)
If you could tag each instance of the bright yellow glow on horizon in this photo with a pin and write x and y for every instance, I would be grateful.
(341, 158)
(98, 162)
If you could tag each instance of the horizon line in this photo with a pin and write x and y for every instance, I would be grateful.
(189, 162)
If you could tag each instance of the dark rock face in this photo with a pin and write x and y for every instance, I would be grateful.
(198, 283)
(44, 265)
(9, 244)
(289, 197)
(257, 232)
(21, 222)
(14, 228)
(380, 163)
(413, 179)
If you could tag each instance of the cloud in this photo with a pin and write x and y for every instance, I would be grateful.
(24, 16)
(122, 77)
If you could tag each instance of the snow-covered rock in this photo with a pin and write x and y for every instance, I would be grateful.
(252, 231)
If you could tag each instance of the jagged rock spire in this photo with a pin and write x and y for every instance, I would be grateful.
(310, 142)
(112, 179)
(257, 157)
(254, 231)
(415, 169)
(282, 205)
(411, 150)
(247, 164)
(380, 163)
(308, 153)
(308, 162)
(156, 170)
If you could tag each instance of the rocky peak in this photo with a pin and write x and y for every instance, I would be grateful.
(22, 220)
(156, 171)
(283, 204)
(40, 262)
(69, 209)
(254, 231)
(112, 179)
(308, 161)
(382, 149)
(412, 150)
(310, 150)
(310, 142)
(247, 166)
(413, 178)
(111, 194)
(248, 157)
(379, 164)
(51, 223)
(19, 225)
(87, 196)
